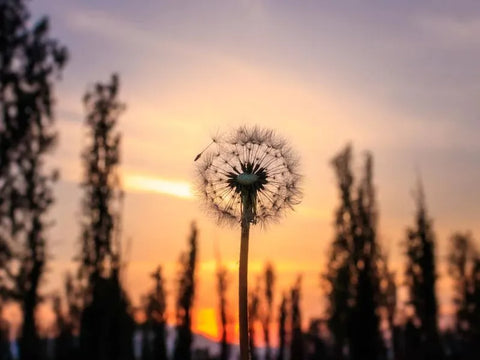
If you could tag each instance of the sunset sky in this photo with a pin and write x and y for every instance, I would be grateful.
(400, 79)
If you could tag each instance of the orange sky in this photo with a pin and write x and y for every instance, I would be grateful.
(393, 80)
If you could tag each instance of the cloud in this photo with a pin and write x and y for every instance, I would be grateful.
(154, 184)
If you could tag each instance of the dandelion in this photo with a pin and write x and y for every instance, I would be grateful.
(248, 177)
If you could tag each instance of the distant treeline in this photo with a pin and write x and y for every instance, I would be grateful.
(94, 317)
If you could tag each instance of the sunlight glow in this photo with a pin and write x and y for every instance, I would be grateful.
(205, 322)
(151, 184)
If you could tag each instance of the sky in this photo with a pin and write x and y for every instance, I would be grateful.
(398, 79)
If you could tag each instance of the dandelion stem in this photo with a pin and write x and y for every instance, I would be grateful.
(243, 280)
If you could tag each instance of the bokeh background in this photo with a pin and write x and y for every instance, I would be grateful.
(399, 79)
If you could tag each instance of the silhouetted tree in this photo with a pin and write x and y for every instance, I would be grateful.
(64, 340)
(67, 319)
(106, 327)
(339, 270)
(185, 297)
(318, 348)
(4, 339)
(222, 287)
(366, 341)
(156, 324)
(253, 318)
(30, 60)
(103, 196)
(389, 303)
(74, 298)
(353, 276)
(464, 266)
(297, 351)
(413, 348)
(146, 344)
(269, 278)
(421, 277)
(282, 327)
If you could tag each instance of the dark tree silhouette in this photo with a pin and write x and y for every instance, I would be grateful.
(106, 327)
(421, 277)
(317, 346)
(74, 298)
(282, 327)
(185, 298)
(156, 317)
(389, 303)
(339, 269)
(4, 340)
(297, 351)
(30, 61)
(366, 341)
(222, 287)
(67, 319)
(103, 196)
(253, 317)
(413, 348)
(64, 340)
(353, 275)
(269, 278)
(464, 266)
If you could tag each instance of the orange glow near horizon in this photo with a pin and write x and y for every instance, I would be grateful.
(205, 323)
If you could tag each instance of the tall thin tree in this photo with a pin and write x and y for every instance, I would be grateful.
(339, 269)
(156, 307)
(30, 61)
(106, 327)
(464, 267)
(353, 276)
(421, 278)
(282, 327)
(222, 288)
(366, 341)
(185, 298)
(389, 303)
(297, 350)
(269, 282)
(253, 316)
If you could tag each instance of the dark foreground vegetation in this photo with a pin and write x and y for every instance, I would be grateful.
(94, 318)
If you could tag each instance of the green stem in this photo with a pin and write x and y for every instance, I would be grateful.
(243, 282)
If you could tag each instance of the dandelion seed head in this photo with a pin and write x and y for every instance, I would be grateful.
(250, 163)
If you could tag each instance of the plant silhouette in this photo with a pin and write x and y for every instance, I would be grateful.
(185, 298)
(30, 62)
(251, 177)
(421, 278)
(353, 276)
(106, 325)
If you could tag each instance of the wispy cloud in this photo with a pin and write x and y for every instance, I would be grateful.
(153, 184)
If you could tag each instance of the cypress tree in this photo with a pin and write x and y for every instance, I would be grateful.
(464, 266)
(156, 325)
(185, 298)
(353, 274)
(421, 278)
(30, 61)
(222, 287)
(253, 317)
(106, 326)
(282, 327)
(297, 351)
(269, 280)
